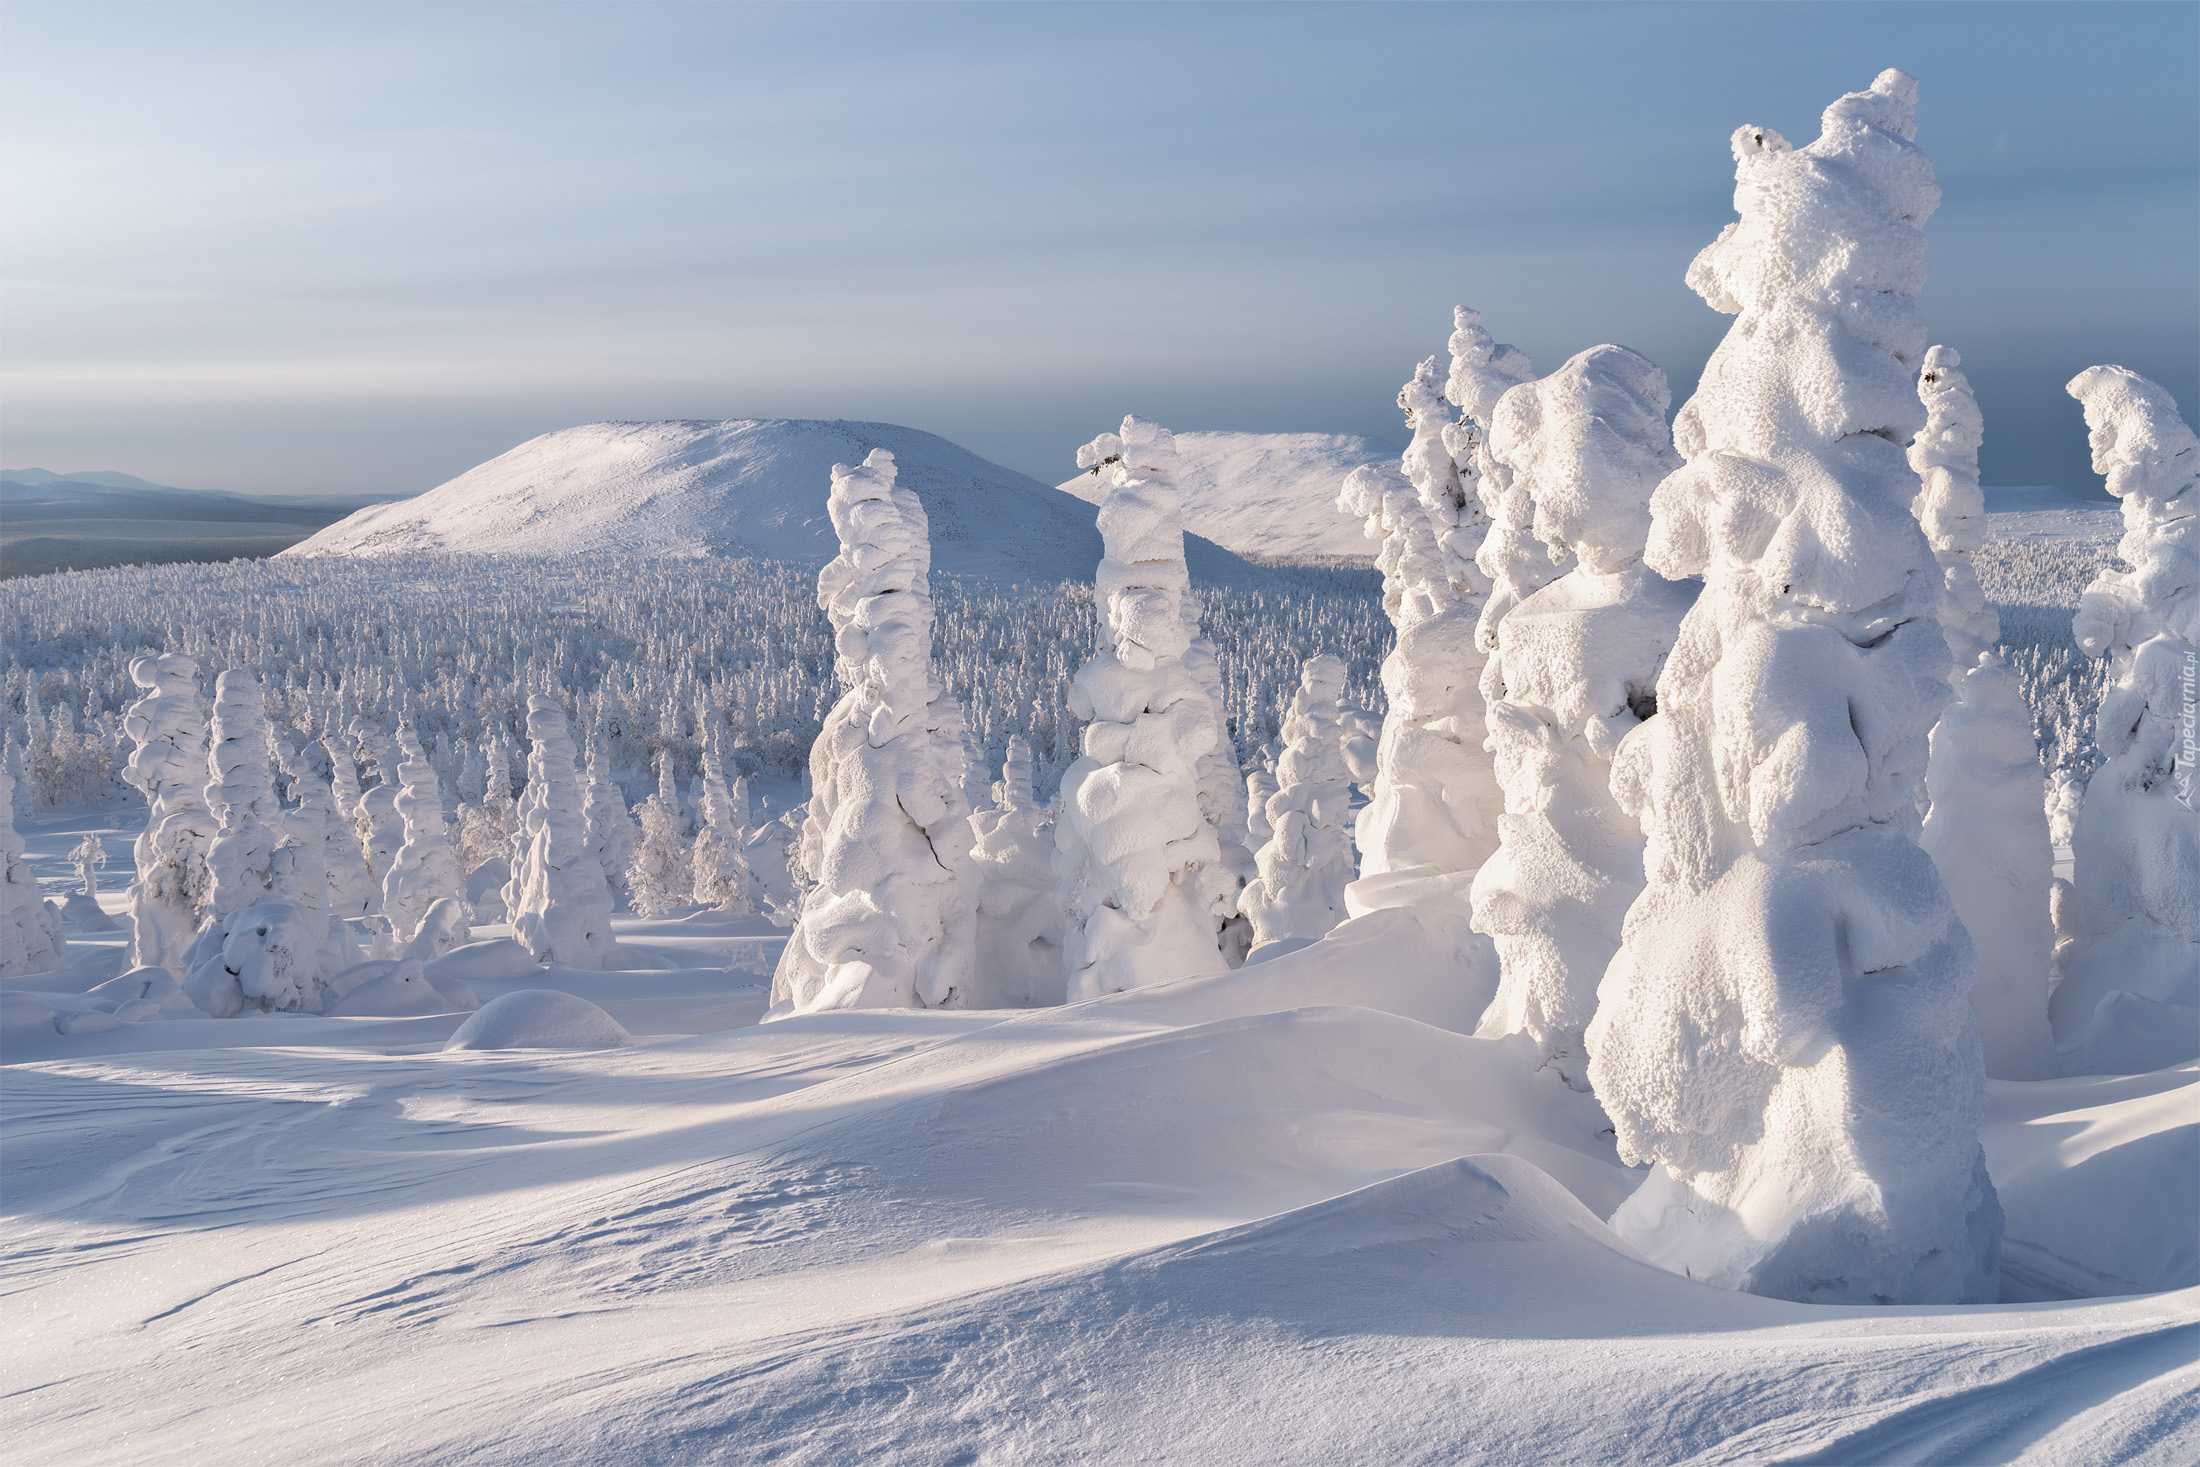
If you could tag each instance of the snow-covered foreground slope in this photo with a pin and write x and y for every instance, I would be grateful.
(1289, 1214)
(1268, 494)
(743, 487)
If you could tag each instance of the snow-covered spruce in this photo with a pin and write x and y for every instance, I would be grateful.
(30, 936)
(381, 829)
(722, 878)
(1221, 790)
(317, 819)
(169, 897)
(1306, 862)
(1144, 889)
(253, 857)
(1431, 819)
(772, 851)
(562, 904)
(423, 871)
(1019, 921)
(610, 827)
(1985, 824)
(658, 875)
(2131, 998)
(1786, 1032)
(890, 917)
(1586, 446)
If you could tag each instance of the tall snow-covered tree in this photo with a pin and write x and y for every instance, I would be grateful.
(172, 890)
(2131, 997)
(1019, 921)
(423, 872)
(721, 866)
(890, 919)
(1306, 862)
(562, 904)
(658, 874)
(1145, 892)
(1786, 1033)
(1579, 659)
(610, 827)
(30, 932)
(252, 855)
(1985, 823)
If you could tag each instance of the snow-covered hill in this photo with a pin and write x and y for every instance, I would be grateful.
(743, 486)
(1268, 494)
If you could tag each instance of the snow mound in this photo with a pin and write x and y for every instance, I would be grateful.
(1267, 494)
(539, 1018)
(740, 487)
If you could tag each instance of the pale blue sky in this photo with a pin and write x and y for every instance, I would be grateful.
(321, 248)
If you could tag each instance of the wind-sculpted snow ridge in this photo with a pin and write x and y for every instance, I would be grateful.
(1267, 495)
(739, 487)
(1986, 821)
(1145, 890)
(1786, 1032)
(168, 767)
(563, 907)
(1579, 660)
(1432, 816)
(2131, 998)
(890, 916)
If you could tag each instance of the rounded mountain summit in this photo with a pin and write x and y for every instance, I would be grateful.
(740, 487)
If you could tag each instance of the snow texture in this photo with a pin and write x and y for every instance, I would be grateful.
(173, 888)
(1267, 495)
(423, 872)
(1306, 861)
(563, 907)
(2131, 998)
(1144, 887)
(743, 486)
(890, 916)
(1786, 1032)
(1019, 923)
(1985, 822)
(1577, 665)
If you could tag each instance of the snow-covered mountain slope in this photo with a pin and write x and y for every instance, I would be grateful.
(744, 486)
(1268, 494)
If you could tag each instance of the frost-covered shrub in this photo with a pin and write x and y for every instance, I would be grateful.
(1144, 886)
(1306, 860)
(890, 917)
(271, 957)
(170, 895)
(1786, 1032)
(1575, 671)
(1985, 826)
(1019, 920)
(2131, 997)
(562, 904)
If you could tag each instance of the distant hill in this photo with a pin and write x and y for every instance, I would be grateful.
(1269, 495)
(743, 486)
(51, 522)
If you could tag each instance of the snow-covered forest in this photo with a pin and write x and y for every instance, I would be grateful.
(1724, 872)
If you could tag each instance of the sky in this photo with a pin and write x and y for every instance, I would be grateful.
(327, 248)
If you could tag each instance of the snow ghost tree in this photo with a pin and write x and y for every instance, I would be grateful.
(1019, 922)
(610, 828)
(1144, 889)
(170, 895)
(1579, 661)
(1306, 862)
(890, 919)
(2131, 998)
(251, 857)
(423, 872)
(1786, 1032)
(721, 866)
(316, 820)
(562, 904)
(658, 876)
(1433, 810)
(1985, 825)
(30, 939)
